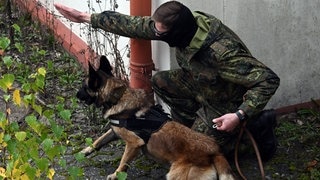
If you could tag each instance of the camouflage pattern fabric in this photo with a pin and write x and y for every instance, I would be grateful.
(218, 74)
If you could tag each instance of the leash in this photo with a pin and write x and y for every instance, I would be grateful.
(254, 144)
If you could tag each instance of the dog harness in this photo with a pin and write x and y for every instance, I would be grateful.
(144, 126)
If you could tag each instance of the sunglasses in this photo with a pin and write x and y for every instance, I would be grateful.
(157, 32)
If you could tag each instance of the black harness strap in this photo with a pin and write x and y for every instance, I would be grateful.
(144, 126)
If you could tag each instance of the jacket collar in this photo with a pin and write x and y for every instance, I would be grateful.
(200, 36)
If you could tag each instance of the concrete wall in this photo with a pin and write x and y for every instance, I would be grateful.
(285, 35)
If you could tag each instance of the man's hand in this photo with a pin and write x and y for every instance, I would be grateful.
(72, 14)
(227, 122)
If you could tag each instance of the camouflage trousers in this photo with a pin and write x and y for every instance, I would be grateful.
(190, 99)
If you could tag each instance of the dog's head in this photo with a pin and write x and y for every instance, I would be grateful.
(89, 92)
(113, 94)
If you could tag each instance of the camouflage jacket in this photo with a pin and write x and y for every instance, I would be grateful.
(216, 55)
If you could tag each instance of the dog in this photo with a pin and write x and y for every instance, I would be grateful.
(144, 126)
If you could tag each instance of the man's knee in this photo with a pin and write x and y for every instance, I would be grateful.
(183, 118)
(159, 77)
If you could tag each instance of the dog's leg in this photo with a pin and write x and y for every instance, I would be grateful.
(133, 145)
(101, 141)
(223, 168)
(115, 110)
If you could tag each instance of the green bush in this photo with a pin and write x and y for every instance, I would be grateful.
(31, 147)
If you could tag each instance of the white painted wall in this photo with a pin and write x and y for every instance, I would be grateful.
(161, 53)
(285, 35)
(81, 29)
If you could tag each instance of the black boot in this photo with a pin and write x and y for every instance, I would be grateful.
(262, 129)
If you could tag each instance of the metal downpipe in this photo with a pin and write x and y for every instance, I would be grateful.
(141, 64)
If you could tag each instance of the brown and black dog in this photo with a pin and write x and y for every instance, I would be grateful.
(192, 155)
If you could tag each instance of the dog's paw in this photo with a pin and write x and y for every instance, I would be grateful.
(112, 176)
(87, 151)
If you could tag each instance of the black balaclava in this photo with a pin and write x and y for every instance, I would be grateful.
(183, 30)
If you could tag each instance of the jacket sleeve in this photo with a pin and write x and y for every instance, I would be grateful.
(124, 25)
(260, 81)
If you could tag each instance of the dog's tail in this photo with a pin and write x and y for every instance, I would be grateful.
(223, 168)
(220, 169)
(182, 170)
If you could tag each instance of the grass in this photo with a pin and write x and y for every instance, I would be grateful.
(299, 145)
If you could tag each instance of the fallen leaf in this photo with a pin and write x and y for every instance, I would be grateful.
(299, 122)
(311, 164)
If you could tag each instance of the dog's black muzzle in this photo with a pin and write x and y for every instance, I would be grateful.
(83, 95)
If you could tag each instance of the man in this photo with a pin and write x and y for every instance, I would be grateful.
(219, 79)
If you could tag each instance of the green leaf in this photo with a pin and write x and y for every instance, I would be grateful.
(19, 47)
(50, 64)
(48, 113)
(4, 43)
(26, 87)
(47, 144)
(12, 147)
(40, 81)
(6, 98)
(79, 156)
(7, 137)
(2, 116)
(121, 175)
(57, 130)
(33, 151)
(60, 106)
(62, 149)
(6, 82)
(42, 164)
(21, 136)
(3, 120)
(88, 141)
(42, 71)
(31, 172)
(7, 61)
(14, 126)
(63, 163)
(42, 52)
(17, 28)
(65, 114)
(9, 165)
(37, 108)
(34, 124)
(75, 172)
(53, 152)
(28, 98)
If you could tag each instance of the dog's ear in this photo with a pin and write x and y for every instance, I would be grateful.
(105, 65)
(94, 81)
(91, 69)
